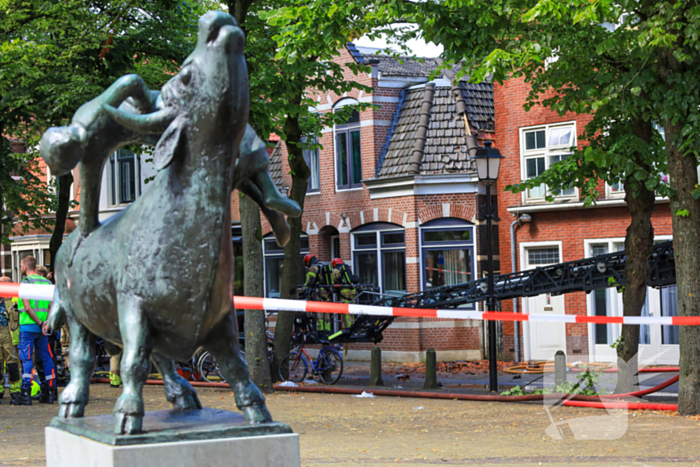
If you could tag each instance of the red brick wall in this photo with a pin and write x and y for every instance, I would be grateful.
(332, 210)
(571, 226)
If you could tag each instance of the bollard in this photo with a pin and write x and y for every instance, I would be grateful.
(559, 368)
(375, 378)
(430, 370)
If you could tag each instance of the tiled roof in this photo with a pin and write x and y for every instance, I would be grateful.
(398, 156)
(356, 54)
(391, 66)
(403, 66)
(445, 149)
(275, 167)
(479, 99)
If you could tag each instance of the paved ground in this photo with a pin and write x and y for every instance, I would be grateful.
(339, 430)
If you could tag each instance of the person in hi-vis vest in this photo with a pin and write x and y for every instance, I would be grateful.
(318, 275)
(33, 331)
(346, 280)
(9, 363)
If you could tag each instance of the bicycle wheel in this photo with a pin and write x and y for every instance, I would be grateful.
(330, 366)
(209, 369)
(293, 367)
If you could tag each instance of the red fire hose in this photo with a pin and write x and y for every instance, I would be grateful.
(573, 401)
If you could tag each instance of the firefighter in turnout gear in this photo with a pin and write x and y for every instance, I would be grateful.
(9, 363)
(317, 276)
(343, 277)
(33, 334)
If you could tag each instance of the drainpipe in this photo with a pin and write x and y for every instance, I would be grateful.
(423, 123)
(523, 219)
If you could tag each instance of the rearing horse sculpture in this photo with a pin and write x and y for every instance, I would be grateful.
(156, 279)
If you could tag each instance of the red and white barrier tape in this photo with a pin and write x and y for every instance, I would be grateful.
(45, 292)
(275, 304)
(28, 291)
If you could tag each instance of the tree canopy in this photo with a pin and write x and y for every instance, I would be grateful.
(55, 56)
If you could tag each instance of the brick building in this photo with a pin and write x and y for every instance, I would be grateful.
(565, 231)
(402, 231)
(403, 210)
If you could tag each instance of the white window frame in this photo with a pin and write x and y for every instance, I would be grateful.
(113, 174)
(610, 194)
(615, 301)
(36, 245)
(447, 245)
(378, 250)
(50, 177)
(307, 157)
(276, 254)
(545, 152)
(338, 105)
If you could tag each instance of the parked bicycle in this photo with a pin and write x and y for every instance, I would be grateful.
(328, 364)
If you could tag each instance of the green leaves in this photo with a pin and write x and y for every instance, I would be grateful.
(55, 56)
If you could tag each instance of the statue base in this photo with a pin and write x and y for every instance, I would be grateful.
(206, 437)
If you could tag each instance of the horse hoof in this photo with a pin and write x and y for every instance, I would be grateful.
(186, 397)
(127, 424)
(256, 414)
(187, 402)
(71, 410)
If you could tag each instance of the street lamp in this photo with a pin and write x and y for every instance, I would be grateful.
(488, 161)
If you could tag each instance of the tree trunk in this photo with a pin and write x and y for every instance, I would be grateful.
(255, 336)
(638, 246)
(685, 215)
(685, 212)
(253, 281)
(292, 251)
(64, 186)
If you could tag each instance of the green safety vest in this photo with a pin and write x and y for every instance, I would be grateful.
(40, 307)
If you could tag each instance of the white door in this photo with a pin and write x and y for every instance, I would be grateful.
(545, 339)
(658, 345)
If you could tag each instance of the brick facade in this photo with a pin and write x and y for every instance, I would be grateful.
(568, 225)
(332, 212)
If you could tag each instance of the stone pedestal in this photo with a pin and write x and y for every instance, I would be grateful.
(199, 438)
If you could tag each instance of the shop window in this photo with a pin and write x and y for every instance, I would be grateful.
(274, 261)
(379, 256)
(541, 148)
(447, 253)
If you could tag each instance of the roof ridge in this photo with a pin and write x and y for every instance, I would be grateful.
(390, 133)
(423, 124)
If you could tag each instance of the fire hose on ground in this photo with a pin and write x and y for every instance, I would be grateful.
(570, 400)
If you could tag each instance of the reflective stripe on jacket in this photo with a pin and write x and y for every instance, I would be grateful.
(40, 307)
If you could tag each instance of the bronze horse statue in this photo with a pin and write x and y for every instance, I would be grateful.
(156, 279)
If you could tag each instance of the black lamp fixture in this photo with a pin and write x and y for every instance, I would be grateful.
(488, 161)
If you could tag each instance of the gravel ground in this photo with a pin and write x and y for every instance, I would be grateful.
(339, 430)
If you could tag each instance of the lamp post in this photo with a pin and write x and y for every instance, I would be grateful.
(488, 161)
